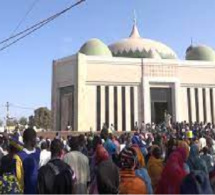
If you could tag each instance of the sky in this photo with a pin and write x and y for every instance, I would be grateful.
(26, 67)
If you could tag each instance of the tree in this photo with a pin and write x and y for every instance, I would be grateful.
(42, 118)
(31, 122)
(1, 123)
(12, 122)
(23, 121)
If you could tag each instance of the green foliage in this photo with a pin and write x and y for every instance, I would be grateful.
(42, 118)
(1, 123)
(11, 122)
(31, 122)
(23, 121)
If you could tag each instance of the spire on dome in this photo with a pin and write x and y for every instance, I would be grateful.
(134, 32)
(135, 17)
(191, 41)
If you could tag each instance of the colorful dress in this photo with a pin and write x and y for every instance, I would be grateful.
(9, 184)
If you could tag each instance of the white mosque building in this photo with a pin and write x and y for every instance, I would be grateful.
(132, 80)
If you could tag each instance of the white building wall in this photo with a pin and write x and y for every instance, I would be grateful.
(201, 112)
(183, 104)
(102, 105)
(136, 104)
(91, 107)
(213, 92)
(79, 69)
(128, 109)
(119, 110)
(111, 105)
(193, 104)
(208, 105)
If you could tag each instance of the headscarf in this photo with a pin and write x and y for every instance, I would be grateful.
(13, 141)
(184, 144)
(140, 158)
(197, 182)
(194, 161)
(101, 154)
(173, 173)
(136, 139)
(128, 158)
(155, 169)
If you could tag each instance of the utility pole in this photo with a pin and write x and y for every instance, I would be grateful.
(7, 113)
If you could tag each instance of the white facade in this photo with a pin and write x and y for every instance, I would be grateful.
(88, 91)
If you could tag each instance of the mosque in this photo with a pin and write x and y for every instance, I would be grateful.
(132, 80)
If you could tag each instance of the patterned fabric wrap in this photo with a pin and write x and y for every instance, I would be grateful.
(128, 158)
(13, 141)
(9, 184)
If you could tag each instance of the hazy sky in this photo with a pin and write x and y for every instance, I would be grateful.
(25, 76)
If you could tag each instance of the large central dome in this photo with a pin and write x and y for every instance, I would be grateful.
(137, 47)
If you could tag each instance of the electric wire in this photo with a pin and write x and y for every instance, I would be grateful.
(37, 26)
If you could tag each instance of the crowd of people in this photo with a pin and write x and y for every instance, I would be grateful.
(153, 159)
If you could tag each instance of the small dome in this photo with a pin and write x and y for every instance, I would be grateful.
(95, 47)
(201, 52)
(137, 47)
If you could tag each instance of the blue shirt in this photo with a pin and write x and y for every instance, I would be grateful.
(28, 166)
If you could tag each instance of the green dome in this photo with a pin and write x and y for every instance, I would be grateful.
(95, 47)
(202, 53)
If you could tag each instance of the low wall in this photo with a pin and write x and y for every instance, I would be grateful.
(52, 134)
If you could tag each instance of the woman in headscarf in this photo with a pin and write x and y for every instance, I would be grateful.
(8, 181)
(197, 182)
(194, 161)
(129, 182)
(141, 170)
(187, 148)
(155, 166)
(140, 156)
(173, 173)
(170, 147)
(107, 174)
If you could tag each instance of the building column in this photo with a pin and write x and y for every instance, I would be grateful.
(102, 105)
(201, 112)
(176, 102)
(136, 104)
(91, 107)
(193, 104)
(140, 105)
(111, 105)
(183, 104)
(146, 101)
(81, 93)
(128, 108)
(208, 105)
(213, 96)
(119, 109)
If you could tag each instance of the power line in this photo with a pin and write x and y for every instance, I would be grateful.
(25, 16)
(21, 107)
(37, 26)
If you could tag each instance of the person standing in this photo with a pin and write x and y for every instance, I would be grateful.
(129, 182)
(8, 181)
(108, 144)
(56, 177)
(107, 173)
(45, 155)
(27, 162)
(80, 165)
(155, 166)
